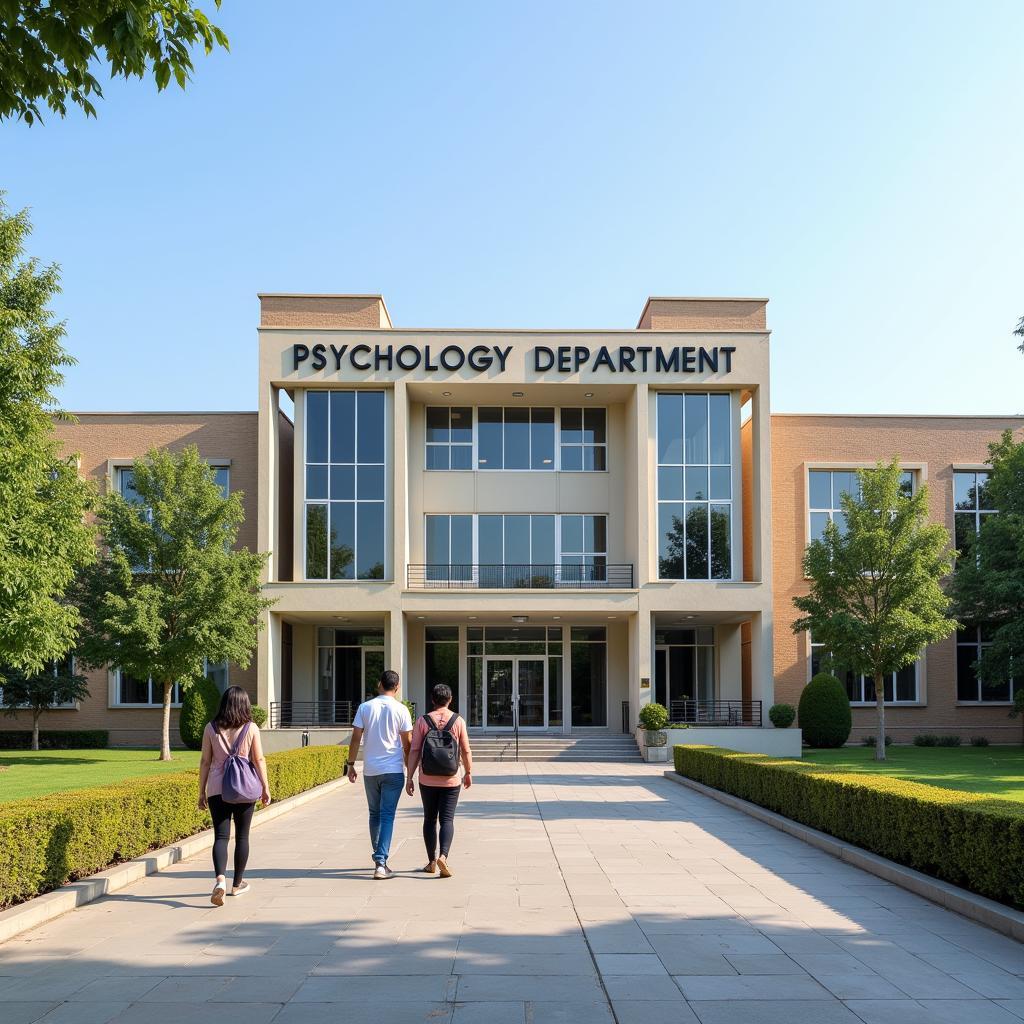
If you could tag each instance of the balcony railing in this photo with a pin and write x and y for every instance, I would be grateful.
(534, 576)
(314, 714)
(716, 712)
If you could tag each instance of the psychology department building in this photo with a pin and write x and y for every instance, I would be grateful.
(559, 524)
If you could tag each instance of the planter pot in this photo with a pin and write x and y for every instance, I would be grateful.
(658, 738)
(655, 746)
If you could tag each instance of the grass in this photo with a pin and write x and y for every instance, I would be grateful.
(25, 773)
(995, 771)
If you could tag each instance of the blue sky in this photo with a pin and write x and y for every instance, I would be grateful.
(551, 165)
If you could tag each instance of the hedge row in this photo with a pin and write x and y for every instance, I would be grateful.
(56, 739)
(47, 841)
(969, 840)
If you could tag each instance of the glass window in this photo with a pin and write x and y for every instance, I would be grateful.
(449, 437)
(584, 440)
(825, 491)
(694, 448)
(345, 464)
(584, 553)
(900, 687)
(971, 505)
(145, 692)
(588, 666)
(970, 645)
(441, 661)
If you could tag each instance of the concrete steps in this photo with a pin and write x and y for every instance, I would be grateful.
(614, 749)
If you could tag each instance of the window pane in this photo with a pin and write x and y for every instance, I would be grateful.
(670, 483)
(819, 520)
(984, 501)
(696, 421)
(517, 540)
(596, 535)
(343, 539)
(437, 537)
(217, 673)
(594, 459)
(963, 530)
(555, 691)
(462, 456)
(906, 683)
(670, 429)
(594, 426)
(442, 666)
(371, 426)
(721, 482)
(719, 411)
(543, 536)
(589, 685)
(721, 542)
(696, 483)
(316, 542)
(572, 458)
(316, 426)
(966, 680)
(316, 482)
(963, 491)
(697, 542)
(462, 425)
(572, 533)
(371, 483)
(671, 541)
(517, 439)
(995, 690)
(907, 483)
(343, 483)
(819, 487)
(489, 438)
(132, 690)
(572, 426)
(343, 404)
(839, 518)
(370, 554)
(843, 483)
(437, 456)
(437, 423)
(462, 542)
(221, 479)
(542, 439)
(491, 540)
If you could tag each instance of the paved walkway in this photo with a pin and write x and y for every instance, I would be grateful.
(582, 894)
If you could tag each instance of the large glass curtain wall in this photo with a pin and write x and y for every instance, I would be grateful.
(349, 667)
(345, 485)
(694, 486)
(684, 667)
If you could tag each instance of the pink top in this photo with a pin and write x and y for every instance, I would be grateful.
(221, 745)
(419, 731)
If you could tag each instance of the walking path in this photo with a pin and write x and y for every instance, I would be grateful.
(583, 893)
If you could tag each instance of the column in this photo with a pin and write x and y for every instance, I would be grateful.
(268, 663)
(762, 677)
(729, 657)
(566, 681)
(394, 649)
(640, 664)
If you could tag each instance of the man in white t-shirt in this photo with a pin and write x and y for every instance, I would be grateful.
(384, 727)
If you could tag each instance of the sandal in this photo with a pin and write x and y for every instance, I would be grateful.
(240, 890)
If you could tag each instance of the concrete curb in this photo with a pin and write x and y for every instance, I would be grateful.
(45, 908)
(978, 908)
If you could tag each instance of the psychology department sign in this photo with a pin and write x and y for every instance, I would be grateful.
(681, 359)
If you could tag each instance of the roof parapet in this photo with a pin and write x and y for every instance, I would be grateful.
(327, 312)
(667, 313)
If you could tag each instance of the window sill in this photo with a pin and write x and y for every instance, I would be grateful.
(888, 704)
(984, 704)
(139, 707)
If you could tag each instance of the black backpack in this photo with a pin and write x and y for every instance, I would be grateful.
(440, 748)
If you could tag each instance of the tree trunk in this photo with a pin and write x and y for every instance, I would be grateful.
(165, 734)
(35, 729)
(880, 701)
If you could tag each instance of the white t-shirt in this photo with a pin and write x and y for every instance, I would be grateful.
(383, 720)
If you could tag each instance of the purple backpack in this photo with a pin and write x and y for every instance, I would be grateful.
(242, 783)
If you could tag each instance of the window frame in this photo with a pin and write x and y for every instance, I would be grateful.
(918, 702)
(72, 705)
(118, 703)
(917, 471)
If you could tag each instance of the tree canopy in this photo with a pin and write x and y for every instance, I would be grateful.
(50, 50)
(169, 588)
(875, 597)
(44, 539)
(38, 692)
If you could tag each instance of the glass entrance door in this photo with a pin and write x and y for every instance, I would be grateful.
(511, 681)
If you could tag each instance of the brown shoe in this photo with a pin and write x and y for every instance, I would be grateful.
(431, 868)
(442, 866)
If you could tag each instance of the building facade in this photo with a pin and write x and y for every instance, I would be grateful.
(561, 525)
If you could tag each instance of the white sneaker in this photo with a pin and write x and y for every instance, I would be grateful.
(382, 871)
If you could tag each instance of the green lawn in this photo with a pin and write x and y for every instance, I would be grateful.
(996, 771)
(37, 772)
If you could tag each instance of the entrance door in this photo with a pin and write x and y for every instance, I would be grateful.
(512, 681)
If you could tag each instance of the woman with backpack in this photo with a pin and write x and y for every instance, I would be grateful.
(439, 743)
(232, 777)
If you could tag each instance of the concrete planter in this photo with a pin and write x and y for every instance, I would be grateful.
(773, 742)
(654, 745)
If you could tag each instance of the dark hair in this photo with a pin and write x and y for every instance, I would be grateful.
(235, 709)
(441, 696)
(389, 680)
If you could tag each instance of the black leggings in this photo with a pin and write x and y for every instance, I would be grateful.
(222, 813)
(439, 802)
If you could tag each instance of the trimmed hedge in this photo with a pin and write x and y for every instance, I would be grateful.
(50, 840)
(56, 739)
(824, 712)
(972, 841)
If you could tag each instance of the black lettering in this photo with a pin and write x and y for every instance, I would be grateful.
(564, 357)
(338, 353)
(663, 365)
(319, 357)
(626, 357)
(427, 364)
(352, 356)
(708, 358)
(604, 358)
(643, 351)
(727, 351)
(543, 350)
(414, 352)
(689, 359)
(502, 354)
(300, 353)
(580, 356)
(383, 355)
(480, 358)
(460, 357)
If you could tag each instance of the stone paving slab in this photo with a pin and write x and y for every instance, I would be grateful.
(582, 893)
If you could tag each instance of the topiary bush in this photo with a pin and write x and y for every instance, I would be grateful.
(824, 712)
(948, 740)
(259, 716)
(782, 715)
(979, 741)
(199, 705)
(926, 739)
(653, 717)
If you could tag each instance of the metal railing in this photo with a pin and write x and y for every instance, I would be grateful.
(627, 725)
(316, 714)
(716, 712)
(534, 576)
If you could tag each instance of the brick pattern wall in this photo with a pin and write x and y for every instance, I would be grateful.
(672, 314)
(938, 444)
(99, 437)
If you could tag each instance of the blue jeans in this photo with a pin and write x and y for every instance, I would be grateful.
(382, 794)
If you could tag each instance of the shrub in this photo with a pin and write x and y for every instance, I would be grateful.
(948, 741)
(872, 741)
(259, 716)
(926, 739)
(678, 725)
(653, 717)
(199, 705)
(782, 715)
(825, 712)
(47, 841)
(56, 739)
(979, 741)
(964, 838)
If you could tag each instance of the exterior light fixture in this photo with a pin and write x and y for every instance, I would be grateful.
(589, 394)
(520, 618)
(447, 394)
(517, 394)
(556, 617)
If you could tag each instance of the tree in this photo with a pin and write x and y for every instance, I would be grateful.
(988, 585)
(44, 539)
(48, 51)
(1019, 331)
(169, 587)
(876, 598)
(38, 692)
